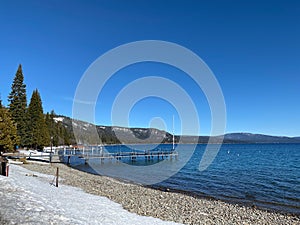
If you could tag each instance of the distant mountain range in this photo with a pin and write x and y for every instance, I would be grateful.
(117, 135)
(259, 138)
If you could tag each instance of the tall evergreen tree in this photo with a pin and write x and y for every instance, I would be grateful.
(18, 104)
(52, 128)
(37, 130)
(8, 132)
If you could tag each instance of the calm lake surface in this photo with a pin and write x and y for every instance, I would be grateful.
(264, 175)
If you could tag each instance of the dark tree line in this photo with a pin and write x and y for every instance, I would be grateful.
(23, 125)
(58, 131)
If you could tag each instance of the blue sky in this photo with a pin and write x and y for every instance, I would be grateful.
(252, 47)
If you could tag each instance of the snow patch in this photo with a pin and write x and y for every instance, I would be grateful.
(120, 129)
(32, 199)
(58, 119)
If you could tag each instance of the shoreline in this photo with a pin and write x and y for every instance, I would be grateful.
(238, 202)
(166, 205)
(227, 201)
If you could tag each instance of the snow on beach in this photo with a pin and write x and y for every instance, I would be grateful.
(29, 198)
(32, 200)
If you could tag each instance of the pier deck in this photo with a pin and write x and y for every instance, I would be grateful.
(98, 154)
(133, 156)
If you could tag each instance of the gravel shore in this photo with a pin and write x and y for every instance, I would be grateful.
(164, 205)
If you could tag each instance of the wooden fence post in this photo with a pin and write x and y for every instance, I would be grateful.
(57, 171)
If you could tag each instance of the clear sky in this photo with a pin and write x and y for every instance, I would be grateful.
(252, 47)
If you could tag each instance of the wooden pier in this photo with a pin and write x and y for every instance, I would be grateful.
(63, 155)
(133, 155)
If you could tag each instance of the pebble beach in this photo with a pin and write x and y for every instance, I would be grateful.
(167, 206)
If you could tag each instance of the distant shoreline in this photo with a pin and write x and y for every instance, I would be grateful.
(190, 143)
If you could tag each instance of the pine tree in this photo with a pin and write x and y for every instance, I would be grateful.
(52, 128)
(67, 137)
(8, 132)
(18, 104)
(37, 130)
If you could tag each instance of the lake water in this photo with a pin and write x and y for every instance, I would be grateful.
(264, 175)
